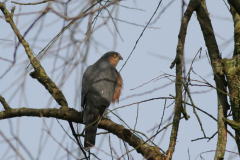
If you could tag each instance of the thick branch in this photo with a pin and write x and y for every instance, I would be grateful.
(231, 69)
(235, 125)
(39, 72)
(68, 114)
(236, 20)
(178, 85)
(149, 152)
(64, 114)
(214, 54)
(235, 4)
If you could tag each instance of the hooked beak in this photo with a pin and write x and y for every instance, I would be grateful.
(120, 57)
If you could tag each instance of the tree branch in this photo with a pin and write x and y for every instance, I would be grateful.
(39, 72)
(231, 69)
(69, 114)
(214, 54)
(236, 20)
(31, 3)
(178, 84)
(235, 125)
(235, 4)
(4, 103)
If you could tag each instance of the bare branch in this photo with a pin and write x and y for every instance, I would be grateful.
(236, 20)
(178, 85)
(141, 35)
(39, 72)
(214, 54)
(32, 3)
(69, 114)
(4, 103)
(194, 109)
(11, 145)
(235, 4)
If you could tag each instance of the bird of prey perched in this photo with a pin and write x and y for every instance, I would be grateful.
(101, 85)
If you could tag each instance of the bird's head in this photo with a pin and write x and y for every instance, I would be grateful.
(113, 57)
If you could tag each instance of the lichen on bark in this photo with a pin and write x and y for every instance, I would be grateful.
(232, 72)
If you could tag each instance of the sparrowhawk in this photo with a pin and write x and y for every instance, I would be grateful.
(101, 85)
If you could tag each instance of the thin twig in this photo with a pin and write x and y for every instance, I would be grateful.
(179, 72)
(31, 3)
(162, 115)
(110, 146)
(136, 119)
(4, 103)
(194, 110)
(141, 35)
(11, 145)
(39, 72)
(75, 135)
(139, 25)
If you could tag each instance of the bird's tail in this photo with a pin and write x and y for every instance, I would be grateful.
(91, 117)
(90, 135)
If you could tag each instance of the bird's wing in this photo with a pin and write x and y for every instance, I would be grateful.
(101, 83)
(104, 86)
(86, 82)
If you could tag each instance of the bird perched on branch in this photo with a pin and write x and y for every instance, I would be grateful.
(101, 85)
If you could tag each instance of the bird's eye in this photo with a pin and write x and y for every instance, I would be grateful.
(115, 56)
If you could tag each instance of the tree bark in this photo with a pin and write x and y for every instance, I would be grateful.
(219, 77)
(232, 71)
